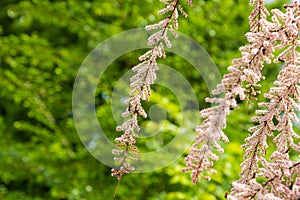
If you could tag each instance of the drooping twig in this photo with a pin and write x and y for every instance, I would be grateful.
(126, 149)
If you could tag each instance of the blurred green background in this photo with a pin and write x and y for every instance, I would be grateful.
(42, 45)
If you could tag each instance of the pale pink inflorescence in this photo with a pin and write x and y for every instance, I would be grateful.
(279, 173)
(246, 69)
(276, 120)
(145, 76)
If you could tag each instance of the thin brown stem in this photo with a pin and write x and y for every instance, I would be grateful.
(118, 186)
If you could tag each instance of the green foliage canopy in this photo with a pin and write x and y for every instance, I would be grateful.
(43, 43)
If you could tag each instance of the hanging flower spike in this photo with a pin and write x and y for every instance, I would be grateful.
(246, 69)
(278, 116)
(145, 75)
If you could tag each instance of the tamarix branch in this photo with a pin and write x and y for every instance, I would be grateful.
(126, 150)
(266, 174)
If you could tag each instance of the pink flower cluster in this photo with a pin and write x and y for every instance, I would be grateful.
(276, 177)
(275, 120)
(126, 150)
(246, 69)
